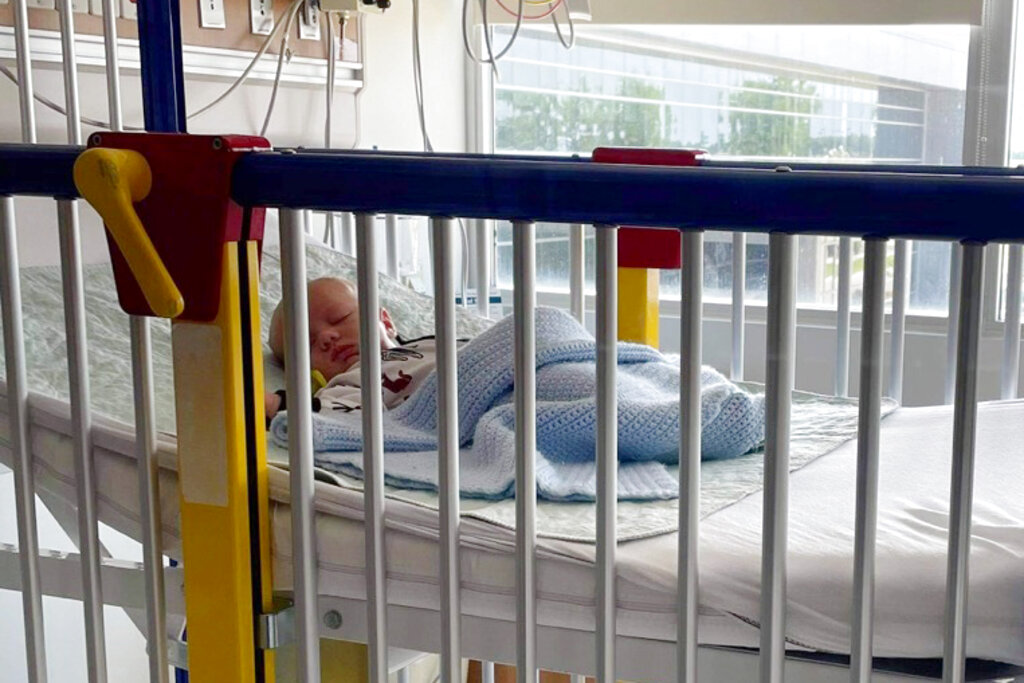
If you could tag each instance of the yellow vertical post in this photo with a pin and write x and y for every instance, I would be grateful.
(638, 305)
(218, 378)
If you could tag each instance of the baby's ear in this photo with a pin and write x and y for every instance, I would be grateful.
(385, 318)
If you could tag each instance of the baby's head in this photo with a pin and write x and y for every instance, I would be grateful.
(333, 327)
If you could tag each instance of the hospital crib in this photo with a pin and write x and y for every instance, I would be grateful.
(202, 269)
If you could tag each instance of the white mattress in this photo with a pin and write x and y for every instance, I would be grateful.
(911, 543)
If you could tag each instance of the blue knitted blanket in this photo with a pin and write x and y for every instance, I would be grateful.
(732, 420)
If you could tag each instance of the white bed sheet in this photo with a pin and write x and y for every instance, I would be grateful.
(911, 542)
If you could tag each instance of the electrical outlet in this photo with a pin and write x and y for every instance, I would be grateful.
(129, 10)
(42, 4)
(309, 21)
(211, 14)
(261, 15)
(369, 6)
(579, 9)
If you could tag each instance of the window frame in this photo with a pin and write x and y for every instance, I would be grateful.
(987, 111)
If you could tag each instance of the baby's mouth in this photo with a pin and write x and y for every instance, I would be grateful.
(343, 354)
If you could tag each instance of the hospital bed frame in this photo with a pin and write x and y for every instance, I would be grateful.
(234, 625)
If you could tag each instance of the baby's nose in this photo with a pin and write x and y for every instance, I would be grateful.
(327, 338)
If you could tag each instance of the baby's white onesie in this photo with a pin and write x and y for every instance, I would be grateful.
(402, 370)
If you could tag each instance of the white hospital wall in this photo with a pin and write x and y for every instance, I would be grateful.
(388, 110)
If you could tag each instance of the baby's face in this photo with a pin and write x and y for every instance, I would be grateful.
(334, 327)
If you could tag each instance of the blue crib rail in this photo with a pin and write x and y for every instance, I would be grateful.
(953, 203)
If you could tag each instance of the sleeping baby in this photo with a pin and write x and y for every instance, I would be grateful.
(648, 390)
(334, 351)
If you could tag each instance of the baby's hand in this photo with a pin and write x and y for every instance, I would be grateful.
(271, 404)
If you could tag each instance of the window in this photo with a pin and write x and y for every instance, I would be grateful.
(848, 94)
(1016, 156)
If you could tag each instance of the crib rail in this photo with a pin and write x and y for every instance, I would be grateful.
(879, 204)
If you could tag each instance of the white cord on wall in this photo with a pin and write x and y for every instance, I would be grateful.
(417, 75)
(491, 57)
(292, 10)
(332, 49)
(97, 123)
(50, 104)
(567, 44)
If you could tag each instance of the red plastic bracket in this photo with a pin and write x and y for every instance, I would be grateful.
(649, 247)
(189, 214)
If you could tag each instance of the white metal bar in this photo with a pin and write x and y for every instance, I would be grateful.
(690, 354)
(149, 498)
(955, 270)
(843, 317)
(59, 571)
(70, 67)
(524, 282)
(965, 411)
(778, 396)
(300, 444)
(484, 233)
(155, 614)
(81, 419)
(373, 445)
(640, 659)
(487, 673)
(78, 370)
(900, 300)
(330, 234)
(112, 66)
(870, 407)
(607, 446)
(391, 244)
(348, 233)
(577, 272)
(26, 90)
(447, 446)
(1011, 338)
(739, 293)
(21, 456)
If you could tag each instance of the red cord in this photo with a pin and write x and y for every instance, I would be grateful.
(527, 17)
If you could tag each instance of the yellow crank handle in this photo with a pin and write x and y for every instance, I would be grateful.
(111, 180)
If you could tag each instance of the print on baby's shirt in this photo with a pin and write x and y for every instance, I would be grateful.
(400, 353)
(343, 406)
(395, 385)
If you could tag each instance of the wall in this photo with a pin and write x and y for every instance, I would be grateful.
(387, 104)
(389, 121)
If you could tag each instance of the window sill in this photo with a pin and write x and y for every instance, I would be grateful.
(813, 316)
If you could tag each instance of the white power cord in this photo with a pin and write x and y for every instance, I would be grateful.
(50, 104)
(492, 58)
(417, 75)
(97, 123)
(332, 58)
(292, 10)
(332, 49)
(567, 44)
